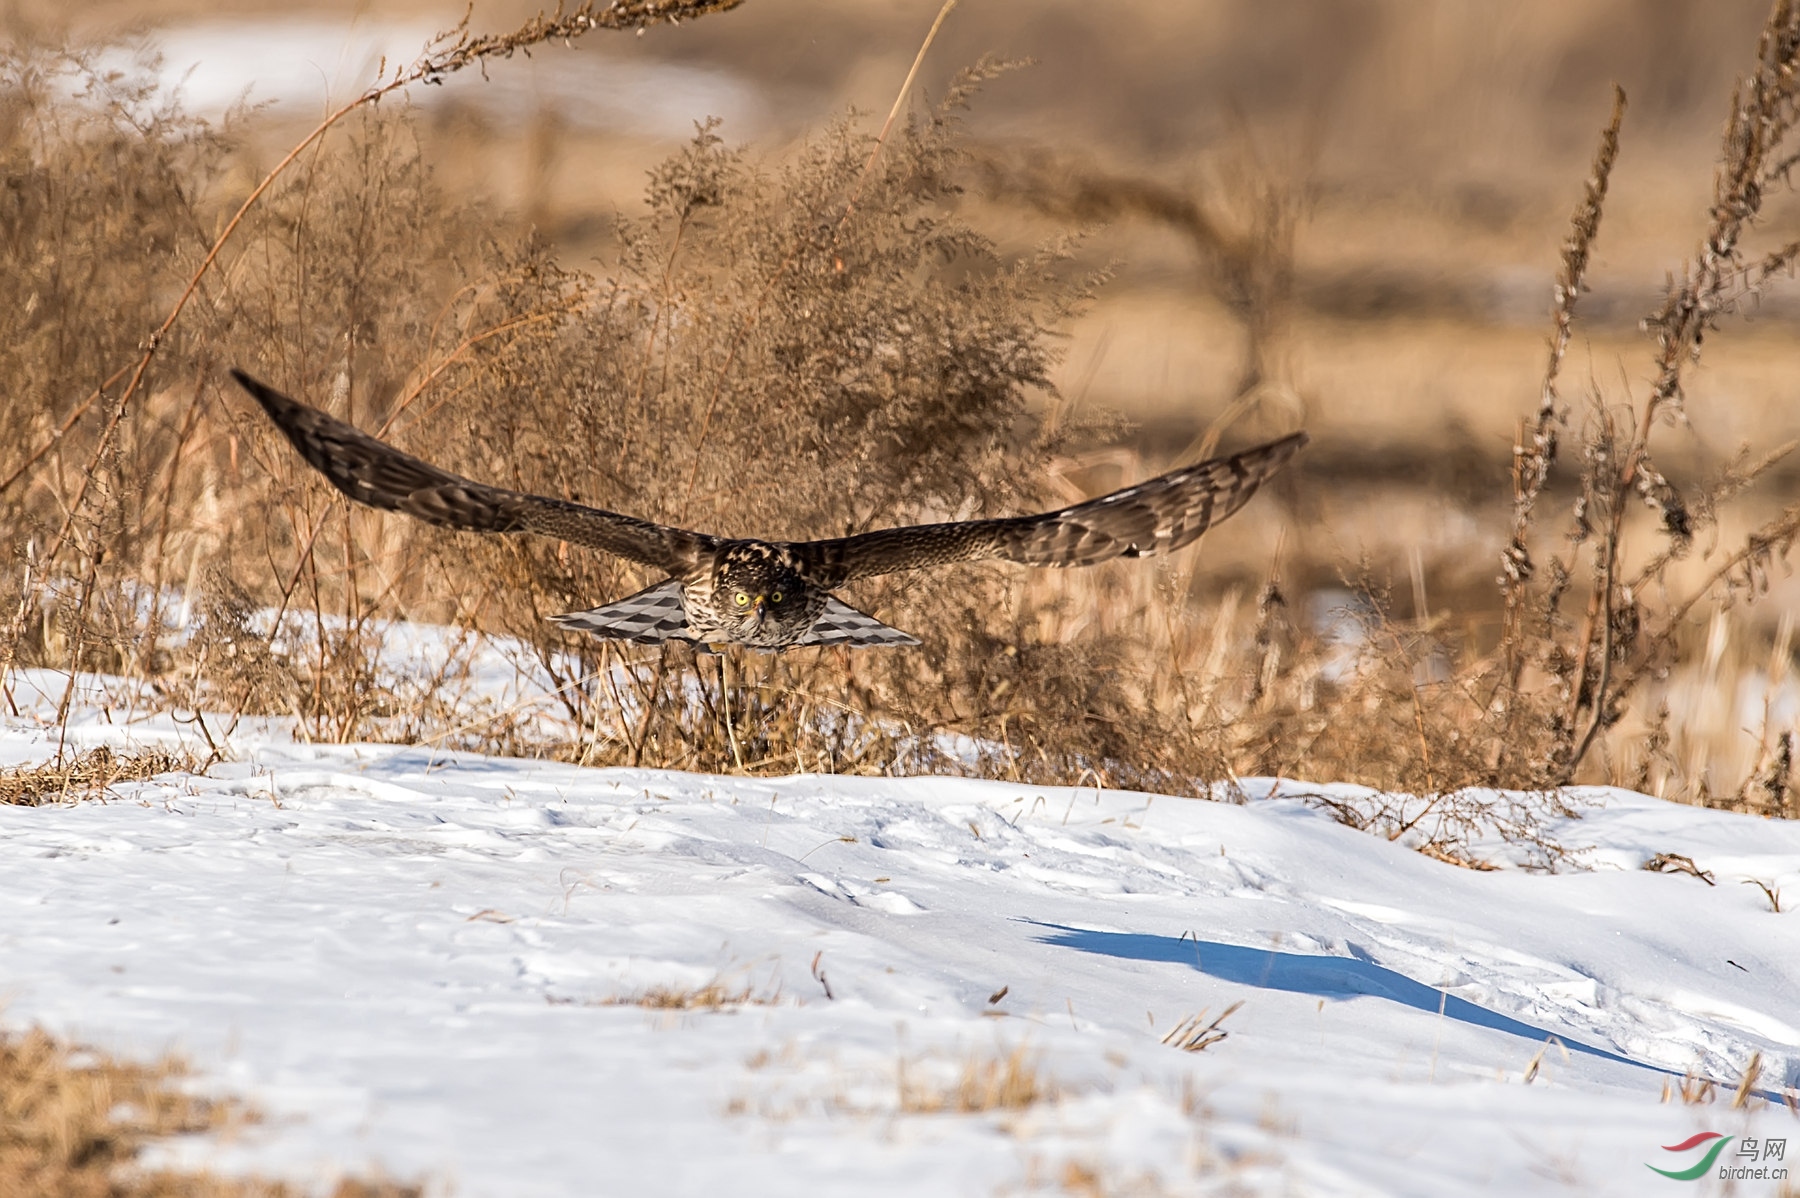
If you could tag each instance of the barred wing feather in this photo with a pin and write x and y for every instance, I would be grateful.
(1157, 516)
(374, 472)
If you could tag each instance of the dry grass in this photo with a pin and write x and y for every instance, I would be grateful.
(820, 341)
(716, 995)
(1196, 1033)
(1011, 1081)
(73, 1122)
(84, 776)
(1771, 893)
(997, 1081)
(1431, 704)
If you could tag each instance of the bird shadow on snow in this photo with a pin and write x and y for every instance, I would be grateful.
(1300, 973)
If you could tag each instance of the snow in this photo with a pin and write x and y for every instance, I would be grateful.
(414, 960)
(300, 66)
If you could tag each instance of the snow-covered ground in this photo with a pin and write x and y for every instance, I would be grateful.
(414, 960)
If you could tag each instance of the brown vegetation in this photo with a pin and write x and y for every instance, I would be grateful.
(716, 995)
(801, 346)
(84, 775)
(1196, 1034)
(73, 1122)
(1009, 1081)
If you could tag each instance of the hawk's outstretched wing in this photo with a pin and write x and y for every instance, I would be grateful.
(375, 473)
(1157, 516)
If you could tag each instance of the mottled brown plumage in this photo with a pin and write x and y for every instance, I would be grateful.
(772, 594)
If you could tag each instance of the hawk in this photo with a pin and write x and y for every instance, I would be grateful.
(771, 595)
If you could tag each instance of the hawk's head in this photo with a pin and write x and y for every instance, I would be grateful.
(760, 599)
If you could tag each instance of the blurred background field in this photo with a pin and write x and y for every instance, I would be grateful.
(1342, 216)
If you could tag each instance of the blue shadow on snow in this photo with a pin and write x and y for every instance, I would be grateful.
(1325, 977)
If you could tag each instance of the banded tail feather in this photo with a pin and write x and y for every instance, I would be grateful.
(651, 615)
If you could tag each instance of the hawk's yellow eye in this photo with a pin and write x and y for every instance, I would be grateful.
(741, 599)
(775, 598)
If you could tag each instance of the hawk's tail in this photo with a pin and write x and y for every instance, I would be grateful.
(653, 614)
(841, 624)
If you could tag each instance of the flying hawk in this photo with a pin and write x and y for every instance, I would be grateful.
(771, 594)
